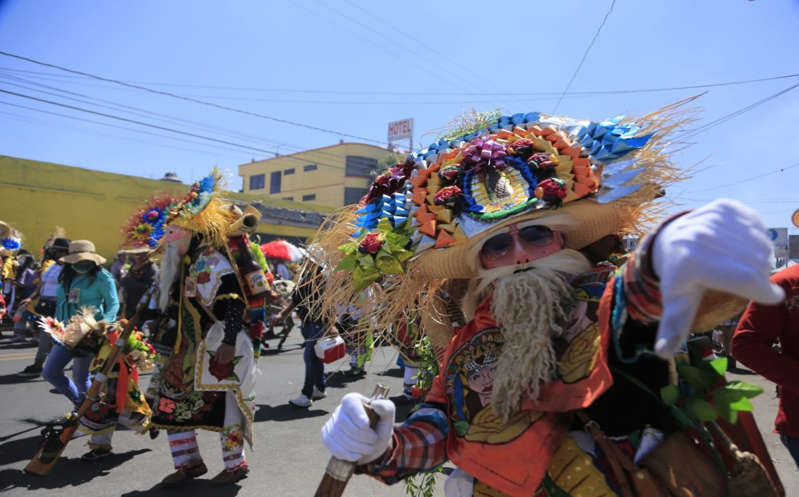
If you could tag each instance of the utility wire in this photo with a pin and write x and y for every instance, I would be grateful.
(424, 93)
(585, 55)
(109, 125)
(734, 114)
(44, 122)
(189, 99)
(429, 52)
(745, 180)
(390, 42)
(163, 128)
(144, 112)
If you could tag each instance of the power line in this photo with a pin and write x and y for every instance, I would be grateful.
(139, 111)
(44, 122)
(163, 128)
(429, 52)
(91, 121)
(745, 180)
(424, 93)
(585, 55)
(189, 99)
(734, 114)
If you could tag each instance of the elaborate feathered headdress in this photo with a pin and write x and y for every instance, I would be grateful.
(423, 221)
(144, 229)
(203, 212)
(10, 239)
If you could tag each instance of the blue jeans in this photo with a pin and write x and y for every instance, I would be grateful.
(792, 444)
(53, 372)
(314, 368)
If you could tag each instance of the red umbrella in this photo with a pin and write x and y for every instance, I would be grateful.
(282, 250)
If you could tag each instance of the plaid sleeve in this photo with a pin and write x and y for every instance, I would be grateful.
(419, 445)
(640, 286)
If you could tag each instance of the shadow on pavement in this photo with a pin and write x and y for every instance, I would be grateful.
(273, 350)
(394, 373)
(8, 345)
(193, 487)
(285, 412)
(19, 450)
(67, 472)
(11, 379)
(340, 379)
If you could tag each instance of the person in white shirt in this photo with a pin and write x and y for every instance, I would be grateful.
(46, 306)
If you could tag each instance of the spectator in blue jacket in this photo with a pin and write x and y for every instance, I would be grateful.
(83, 283)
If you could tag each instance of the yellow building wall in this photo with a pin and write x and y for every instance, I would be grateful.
(327, 182)
(35, 197)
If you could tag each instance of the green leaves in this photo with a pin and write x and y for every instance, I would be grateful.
(703, 392)
(366, 265)
(700, 409)
(670, 394)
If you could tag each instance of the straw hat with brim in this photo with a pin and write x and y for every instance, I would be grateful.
(581, 222)
(82, 250)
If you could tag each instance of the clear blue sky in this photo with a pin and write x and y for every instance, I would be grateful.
(352, 66)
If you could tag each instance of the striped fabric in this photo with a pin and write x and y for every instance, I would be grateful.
(419, 445)
(183, 445)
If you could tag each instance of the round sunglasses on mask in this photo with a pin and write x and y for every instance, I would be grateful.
(498, 245)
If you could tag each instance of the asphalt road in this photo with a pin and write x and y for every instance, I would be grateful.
(288, 459)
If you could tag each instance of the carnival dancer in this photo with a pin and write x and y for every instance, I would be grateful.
(208, 283)
(10, 242)
(560, 352)
(120, 400)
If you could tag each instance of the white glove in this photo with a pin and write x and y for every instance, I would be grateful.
(721, 246)
(347, 434)
(459, 484)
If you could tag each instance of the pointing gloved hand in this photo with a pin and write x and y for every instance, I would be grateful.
(347, 434)
(720, 246)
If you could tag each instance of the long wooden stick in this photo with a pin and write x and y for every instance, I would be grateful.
(338, 472)
(53, 446)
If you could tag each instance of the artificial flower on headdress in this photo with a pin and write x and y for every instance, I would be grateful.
(10, 239)
(145, 228)
(202, 211)
(434, 210)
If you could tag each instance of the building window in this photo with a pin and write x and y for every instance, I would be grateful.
(274, 182)
(309, 167)
(290, 199)
(360, 166)
(353, 195)
(257, 182)
(309, 198)
(288, 171)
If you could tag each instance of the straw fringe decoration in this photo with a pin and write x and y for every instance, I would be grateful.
(414, 292)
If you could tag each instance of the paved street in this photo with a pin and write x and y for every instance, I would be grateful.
(288, 458)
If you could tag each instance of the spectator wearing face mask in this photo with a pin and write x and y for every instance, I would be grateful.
(45, 307)
(83, 283)
(26, 284)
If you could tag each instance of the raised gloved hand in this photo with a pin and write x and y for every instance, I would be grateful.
(720, 246)
(347, 434)
(459, 484)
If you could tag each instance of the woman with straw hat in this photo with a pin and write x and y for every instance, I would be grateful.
(83, 283)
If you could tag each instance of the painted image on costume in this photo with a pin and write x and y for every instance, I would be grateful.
(469, 382)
